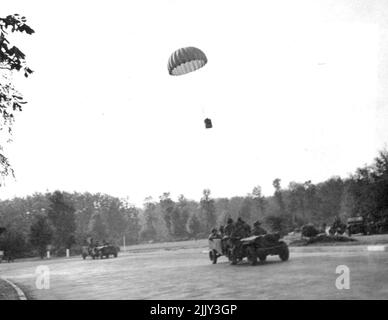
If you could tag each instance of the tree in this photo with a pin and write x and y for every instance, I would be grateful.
(98, 227)
(12, 59)
(258, 200)
(380, 174)
(149, 230)
(296, 202)
(194, 225)
(208, 210)
(278, 223)
(246, 210)
(133, 225)
(333, 198)
(61, 215)
(278, 195)
(13, 243)
(179, 217)
(41, 234)
(113, 212)
(167, 207)
(311, 199)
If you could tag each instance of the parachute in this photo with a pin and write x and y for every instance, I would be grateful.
(186, 60)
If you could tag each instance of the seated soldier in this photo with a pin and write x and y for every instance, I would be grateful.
(221, 231)
(257, 230)
(229, 227)
(241, 229)
(214, 234)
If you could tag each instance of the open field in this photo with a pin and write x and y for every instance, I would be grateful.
(202, 243)
(171, 272)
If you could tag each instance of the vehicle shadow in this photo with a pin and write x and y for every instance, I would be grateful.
(246, 263)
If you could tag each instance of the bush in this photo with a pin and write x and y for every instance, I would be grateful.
(309, 231)
(278, 224)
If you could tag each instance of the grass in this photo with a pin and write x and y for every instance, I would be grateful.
(203, 243)
(7, 292)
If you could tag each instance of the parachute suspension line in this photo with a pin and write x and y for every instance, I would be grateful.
(187, 60)
(203, 112)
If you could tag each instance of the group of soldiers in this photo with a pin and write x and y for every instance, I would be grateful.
(237, 230)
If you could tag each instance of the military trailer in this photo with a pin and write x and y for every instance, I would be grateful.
(218, 248)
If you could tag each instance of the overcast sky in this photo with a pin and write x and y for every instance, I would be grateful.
(296, 90)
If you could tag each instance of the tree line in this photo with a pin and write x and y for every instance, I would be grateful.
(66, 220)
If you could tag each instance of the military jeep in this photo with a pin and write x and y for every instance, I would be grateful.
(252, 248)
(100, 251)
(356, 225)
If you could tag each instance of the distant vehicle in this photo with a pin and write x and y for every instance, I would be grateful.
(104, 251)
(108, 250)
(252, 248)
(378, 225)
(356, 225)
(382, 225)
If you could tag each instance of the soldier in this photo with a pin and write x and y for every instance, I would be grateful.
(257, 230)
(214, 234)
(228, 230)
(241, 229)
(221, 231)
(247, 228)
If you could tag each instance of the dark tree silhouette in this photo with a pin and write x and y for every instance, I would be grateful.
(61, 215)
(12, 59)
(41, 234)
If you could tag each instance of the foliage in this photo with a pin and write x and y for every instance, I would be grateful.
(150, 220)
(41, 234)
(194, 225)
(61, 215)
(12, 60)
(167, 207)
(208, 210)
(13, 242)
(277, 223)
(83, 215)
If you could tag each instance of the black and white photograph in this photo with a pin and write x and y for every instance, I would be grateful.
(215, 150)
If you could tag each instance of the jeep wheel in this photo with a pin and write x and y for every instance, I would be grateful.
(284, 254)
(115, 255)
(211, 255)
(214, 260)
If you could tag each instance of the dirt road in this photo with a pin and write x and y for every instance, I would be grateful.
(187, 274)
